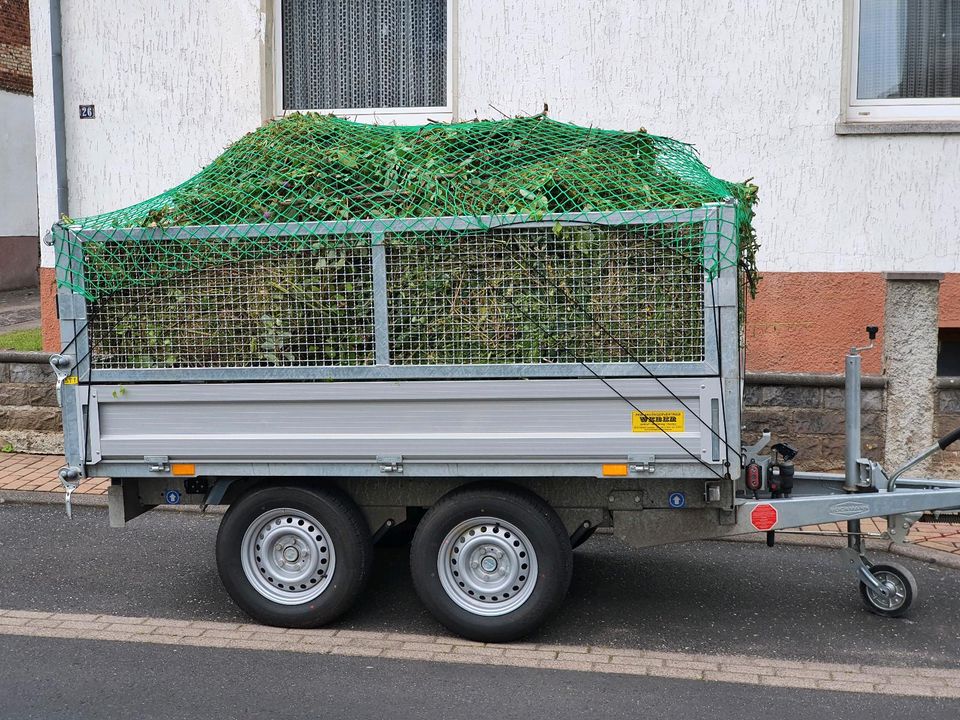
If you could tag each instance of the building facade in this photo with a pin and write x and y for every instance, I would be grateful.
(847, 115)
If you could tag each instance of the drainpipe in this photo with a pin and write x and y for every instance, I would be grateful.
(59, 119)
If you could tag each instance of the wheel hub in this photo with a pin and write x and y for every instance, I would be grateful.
(291, 553)
(896, 592)
(487, 566)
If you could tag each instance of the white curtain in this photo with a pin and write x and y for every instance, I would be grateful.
(340, 54)
(909, 49)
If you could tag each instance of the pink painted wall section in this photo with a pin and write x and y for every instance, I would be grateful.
(950, 301)
(806, 322)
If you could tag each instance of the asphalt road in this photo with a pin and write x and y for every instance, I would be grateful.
(787, 602)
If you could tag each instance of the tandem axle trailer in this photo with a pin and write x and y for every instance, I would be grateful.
(500, 467)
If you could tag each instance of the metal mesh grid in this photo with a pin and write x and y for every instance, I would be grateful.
(546, 295)
(340, 54)
(307, 308)
(532, 295)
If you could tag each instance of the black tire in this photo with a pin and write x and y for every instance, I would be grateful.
(349, 539)
(541, 530)
(905, 584)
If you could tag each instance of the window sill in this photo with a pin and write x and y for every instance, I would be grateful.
(383, 118)
(897, 127)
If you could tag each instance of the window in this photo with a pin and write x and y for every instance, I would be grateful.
(374, 60)
(904, 60)
(948, 352)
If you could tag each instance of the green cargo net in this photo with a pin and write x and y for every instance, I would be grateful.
(308, 183)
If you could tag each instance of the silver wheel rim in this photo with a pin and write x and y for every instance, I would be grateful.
(896, 586)
(487, 566)
(287, 556)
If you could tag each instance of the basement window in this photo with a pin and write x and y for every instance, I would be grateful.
(948, 352)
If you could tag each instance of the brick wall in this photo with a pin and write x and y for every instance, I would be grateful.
(806, 412)
(15, 72)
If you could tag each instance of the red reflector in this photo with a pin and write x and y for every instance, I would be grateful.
(763, 517)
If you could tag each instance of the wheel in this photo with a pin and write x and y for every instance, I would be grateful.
(491, 563)
(294, 557)
(901, 584)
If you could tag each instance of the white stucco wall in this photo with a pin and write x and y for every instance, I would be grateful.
(755, 85)
(173, 82)
(18, 170)
(43, 125)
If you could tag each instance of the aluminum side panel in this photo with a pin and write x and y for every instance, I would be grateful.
(439, 421)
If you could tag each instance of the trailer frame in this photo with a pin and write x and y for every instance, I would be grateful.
(149, 429)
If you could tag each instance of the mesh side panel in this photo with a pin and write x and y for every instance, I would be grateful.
(531, 295)
(538, 296)
(370, 54)
(307, 308)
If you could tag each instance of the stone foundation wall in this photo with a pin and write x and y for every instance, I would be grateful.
(29, 416)
(806, 412)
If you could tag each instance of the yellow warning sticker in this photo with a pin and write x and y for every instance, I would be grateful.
(70, 380)
(670, 421)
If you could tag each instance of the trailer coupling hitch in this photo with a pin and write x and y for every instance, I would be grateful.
(70, 479)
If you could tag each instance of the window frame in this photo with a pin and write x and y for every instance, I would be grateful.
(383, 116)
(883, 110)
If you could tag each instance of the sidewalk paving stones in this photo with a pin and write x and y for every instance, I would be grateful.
(21, 471)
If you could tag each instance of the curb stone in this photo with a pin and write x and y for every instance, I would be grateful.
(906, 681)
(32, 497)
(911, 551)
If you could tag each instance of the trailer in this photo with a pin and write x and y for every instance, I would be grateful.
(498, 384)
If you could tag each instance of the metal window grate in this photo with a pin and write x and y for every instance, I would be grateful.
(307, 308)
(535, 296)
(342, 54)
(523, 295)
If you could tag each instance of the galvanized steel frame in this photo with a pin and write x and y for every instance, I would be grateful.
(721, 338)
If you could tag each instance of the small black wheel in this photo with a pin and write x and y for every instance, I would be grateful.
(294, 557)
(900, 583)
(491, 562)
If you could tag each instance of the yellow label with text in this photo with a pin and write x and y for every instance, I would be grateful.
(670, 421)
(70, 380)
